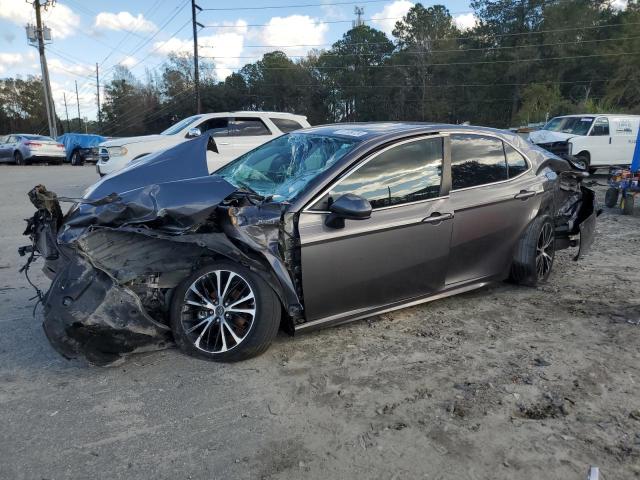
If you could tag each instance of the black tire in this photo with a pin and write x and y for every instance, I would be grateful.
(627, 207)
(582, 161)
(76, 158)
(19, 159)
(611, 197)
(525, 267)
(254, 339)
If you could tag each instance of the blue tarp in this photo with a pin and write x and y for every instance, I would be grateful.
(71, 141)
(635, 163)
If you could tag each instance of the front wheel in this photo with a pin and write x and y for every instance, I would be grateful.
(535, 252)
(582, 161)
(224, 312)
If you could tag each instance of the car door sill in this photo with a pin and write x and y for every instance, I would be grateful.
(368, 312)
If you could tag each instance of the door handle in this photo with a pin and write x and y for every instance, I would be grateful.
(524, 194)
(437, 217)
(222, 143)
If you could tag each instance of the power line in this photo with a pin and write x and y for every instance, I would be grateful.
(349, 67)
(453, 50)
(319, 22)
(302, 5)
(445, 39)
(327, 4)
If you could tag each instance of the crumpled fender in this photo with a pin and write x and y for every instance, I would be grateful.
(87, 313)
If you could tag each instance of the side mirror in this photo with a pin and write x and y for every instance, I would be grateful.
(194, 132)
(350, 207)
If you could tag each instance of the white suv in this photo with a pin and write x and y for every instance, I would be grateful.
(235, 133)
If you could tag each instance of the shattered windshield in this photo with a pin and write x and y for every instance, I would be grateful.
(572, 125)
(284, 166)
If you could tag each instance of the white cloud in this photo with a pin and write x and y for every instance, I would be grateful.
(60, 18)
(124, 21)
(465, 21)
(293, 30)
(228, 43)
(8, 60)
(58, 66)
(128, 61)
(390, 14)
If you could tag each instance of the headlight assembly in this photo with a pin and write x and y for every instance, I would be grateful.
(117, 151)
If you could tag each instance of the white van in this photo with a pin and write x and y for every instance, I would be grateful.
(592, 141)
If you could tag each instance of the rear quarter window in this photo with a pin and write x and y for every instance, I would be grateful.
(516, 163)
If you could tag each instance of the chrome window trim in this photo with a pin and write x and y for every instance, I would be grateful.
(526, 159)
(315, 199)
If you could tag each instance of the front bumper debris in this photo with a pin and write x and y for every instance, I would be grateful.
(87, 314)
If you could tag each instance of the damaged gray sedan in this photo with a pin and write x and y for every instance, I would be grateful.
(318, 227)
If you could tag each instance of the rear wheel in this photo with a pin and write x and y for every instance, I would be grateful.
(611, 197)
(76, 158)
(224, 312)
(19, 159)
(627, 205)
(535, 252)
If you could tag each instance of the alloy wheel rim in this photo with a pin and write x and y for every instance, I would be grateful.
(218, 311)
(580, 163)
(544, 251)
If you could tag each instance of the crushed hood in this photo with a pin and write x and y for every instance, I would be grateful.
(547, 136)
(168, 190)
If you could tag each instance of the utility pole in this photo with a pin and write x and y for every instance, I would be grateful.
(78, 102)
(40, 34)
(66, 111)
(98, 97)
(196, 70)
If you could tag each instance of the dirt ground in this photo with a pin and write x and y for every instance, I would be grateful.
(502, 383)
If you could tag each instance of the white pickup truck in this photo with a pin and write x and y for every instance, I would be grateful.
(591, 141)
(235, 133)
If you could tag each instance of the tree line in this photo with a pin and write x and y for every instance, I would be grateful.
(523, 61)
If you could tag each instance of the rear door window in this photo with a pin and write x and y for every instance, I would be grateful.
(286, 125)
(249, 127)
(216, 127)
(476, 160)
(406, 173)
(516, 163)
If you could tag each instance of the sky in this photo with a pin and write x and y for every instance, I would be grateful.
(141, 33)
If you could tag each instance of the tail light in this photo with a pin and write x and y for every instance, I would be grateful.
(33, 144)
(59, 145)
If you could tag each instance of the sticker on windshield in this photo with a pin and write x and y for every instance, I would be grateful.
(350, 133)
(586, 119)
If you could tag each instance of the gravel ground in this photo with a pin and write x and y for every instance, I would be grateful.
(502, 383)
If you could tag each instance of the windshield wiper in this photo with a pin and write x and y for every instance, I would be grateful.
(246, 188)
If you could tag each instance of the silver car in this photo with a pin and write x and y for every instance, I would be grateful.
(23, 149)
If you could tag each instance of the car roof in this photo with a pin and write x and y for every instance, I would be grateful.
(375, 130)
(574, 115)
(253, 113)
